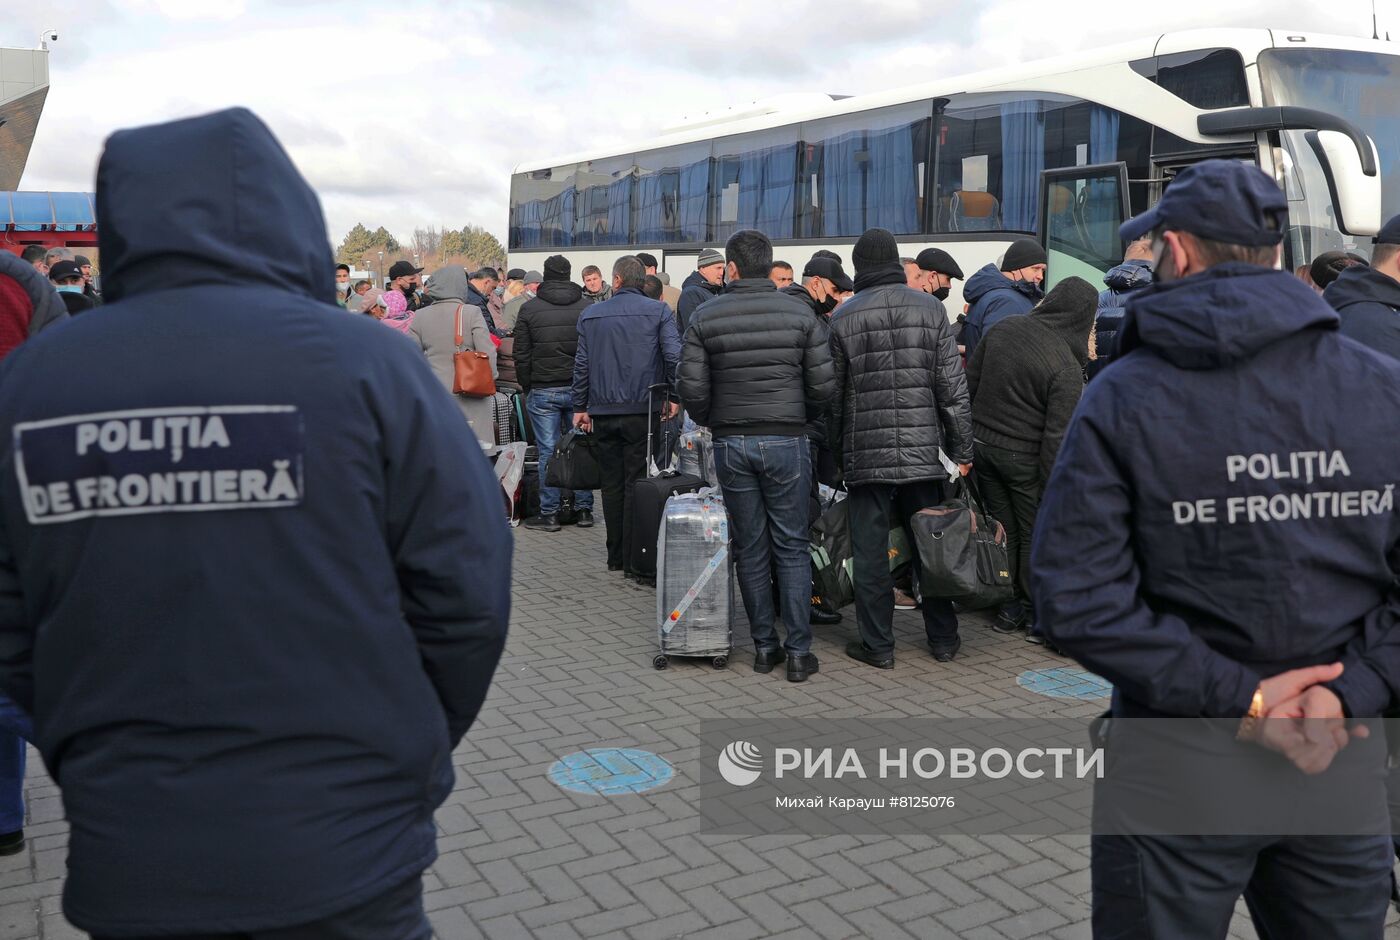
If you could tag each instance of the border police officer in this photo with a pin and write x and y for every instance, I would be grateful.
(1219, 540)
(254, 574)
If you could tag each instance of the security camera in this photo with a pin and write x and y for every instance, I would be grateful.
(53, 37)
(46, 37)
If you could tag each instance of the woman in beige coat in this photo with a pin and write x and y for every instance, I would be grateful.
(434, 328)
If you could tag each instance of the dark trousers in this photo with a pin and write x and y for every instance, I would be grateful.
(873, 508)
(1010, 485)
(1319, 887)
(621, 449)
(396, 914)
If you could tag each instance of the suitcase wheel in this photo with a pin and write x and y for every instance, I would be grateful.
(720, 662)
(660, 662)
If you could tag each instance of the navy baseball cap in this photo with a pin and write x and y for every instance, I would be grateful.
(1222, 200)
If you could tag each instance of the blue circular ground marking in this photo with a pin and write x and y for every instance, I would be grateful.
(611, 771)
(1064, 682)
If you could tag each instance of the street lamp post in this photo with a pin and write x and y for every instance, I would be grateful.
(379, 275)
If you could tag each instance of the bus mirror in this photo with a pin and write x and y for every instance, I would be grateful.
(1357, 196)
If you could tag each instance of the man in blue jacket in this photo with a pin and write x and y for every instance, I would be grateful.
(994, 293)
(254, 577)
(626, 344)
(1219, 540)
(1368, 298)
(1132, 275)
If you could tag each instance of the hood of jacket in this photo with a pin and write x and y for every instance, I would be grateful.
(1129, 276)
(208, 200)
(1222, 315)
(696, 279)
(559, 293)
(1069, 312)
(450, 283)
(989, 279)
(47, 306)
(1363, 285)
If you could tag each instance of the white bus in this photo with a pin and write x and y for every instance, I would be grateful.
(1062, 150)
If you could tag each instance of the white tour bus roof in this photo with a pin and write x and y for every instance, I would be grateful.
(1028, 77)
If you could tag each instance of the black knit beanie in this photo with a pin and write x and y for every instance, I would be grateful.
(557, 268)
(1023, 253)
(875, 248)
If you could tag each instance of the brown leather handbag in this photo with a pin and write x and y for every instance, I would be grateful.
(471, 369)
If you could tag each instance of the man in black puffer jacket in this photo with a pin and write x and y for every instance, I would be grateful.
(900, 396)
(546, 339)
(756, 366)
(1025, 378)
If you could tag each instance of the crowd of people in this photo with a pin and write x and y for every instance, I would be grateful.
(1141, 443)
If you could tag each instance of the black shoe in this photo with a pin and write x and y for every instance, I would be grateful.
(945, 651)
(823, 617)
(567, 516)
(1005, 624)
(612, 567)
(12, 843)
(856, 650)
(800, 667)
(584, 519)
(764, 662)
(543, 523)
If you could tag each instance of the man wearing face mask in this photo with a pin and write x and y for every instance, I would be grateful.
(67, 278)
(996, 293)
(342, 283)
(940, 270)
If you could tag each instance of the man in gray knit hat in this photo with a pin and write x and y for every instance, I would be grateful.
(704, 284)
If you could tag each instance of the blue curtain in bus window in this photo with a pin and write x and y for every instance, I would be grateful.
(619, 212)
(1102, 208)
(767, 183)
(843, 185)
(557, 220)
(651, 210)
(1022, 160)
(893, 196)
(693, 202)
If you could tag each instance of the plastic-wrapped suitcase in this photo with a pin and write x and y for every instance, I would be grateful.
(694, 580)
(695, 455)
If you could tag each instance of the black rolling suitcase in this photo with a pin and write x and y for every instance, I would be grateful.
(648, 503)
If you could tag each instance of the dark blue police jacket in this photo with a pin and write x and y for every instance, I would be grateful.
(254, 574)
(1223, 507)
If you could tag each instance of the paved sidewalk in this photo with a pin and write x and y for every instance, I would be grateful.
(522, 858)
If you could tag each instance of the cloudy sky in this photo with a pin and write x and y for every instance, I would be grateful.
(413, 113)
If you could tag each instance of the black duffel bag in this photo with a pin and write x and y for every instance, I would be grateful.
(963, 554)
(573, 466)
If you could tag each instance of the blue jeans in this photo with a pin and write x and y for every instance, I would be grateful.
(15, 729)
(552, 413)
(765, 480)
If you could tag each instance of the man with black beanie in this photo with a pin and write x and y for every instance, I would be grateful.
(546, 339)
(1010, 290)
(901, 395)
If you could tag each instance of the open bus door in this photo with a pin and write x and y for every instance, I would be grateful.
(1081, 208)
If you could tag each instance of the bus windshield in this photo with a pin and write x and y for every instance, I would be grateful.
(1360, 86)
